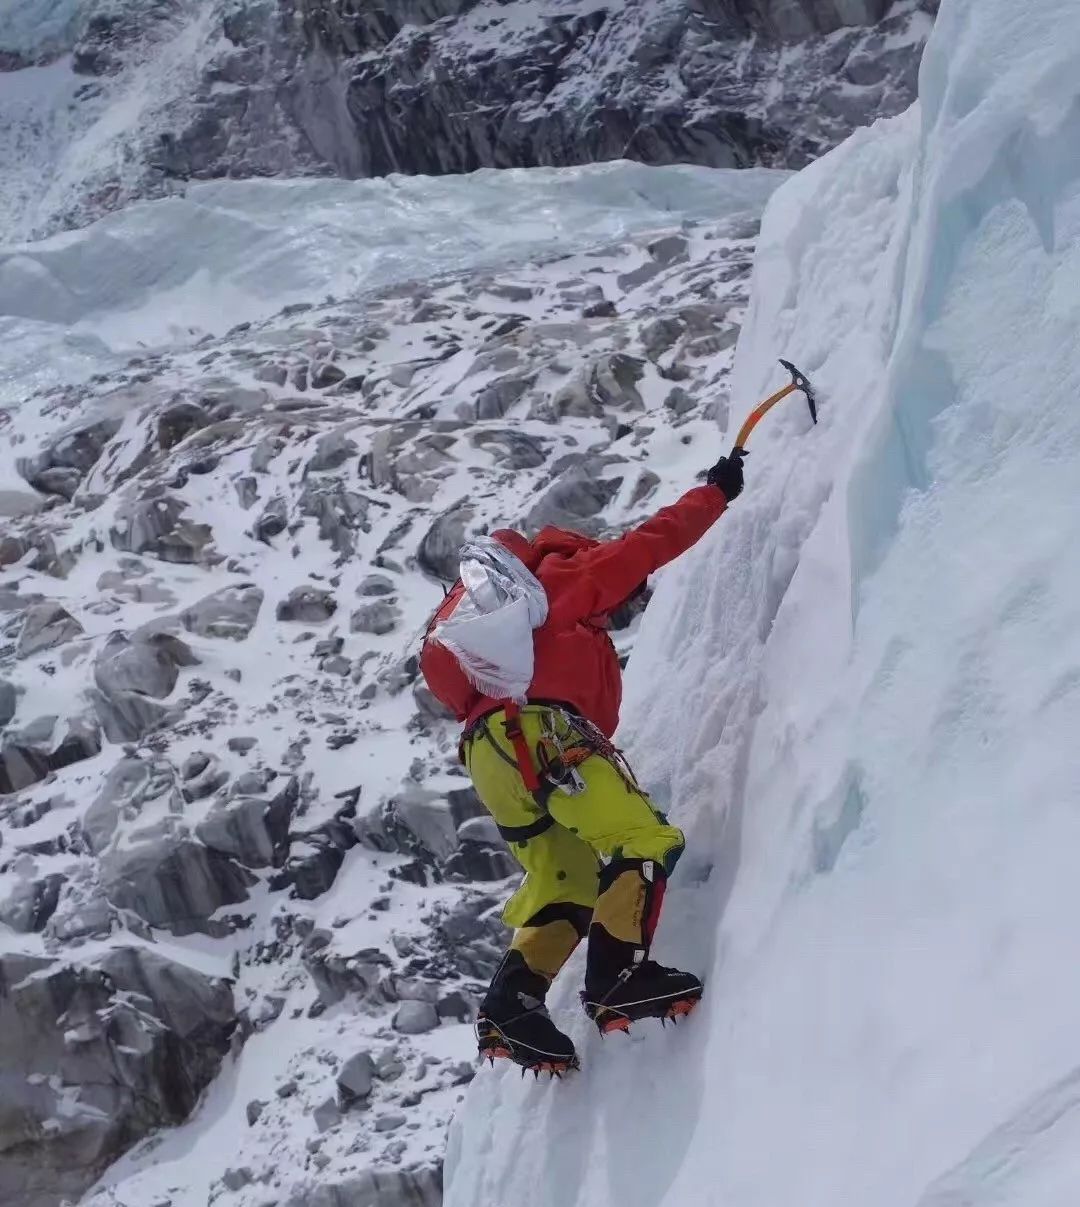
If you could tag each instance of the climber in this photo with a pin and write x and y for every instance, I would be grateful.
(539, 709)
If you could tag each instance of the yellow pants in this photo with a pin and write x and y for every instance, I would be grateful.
(561, 844)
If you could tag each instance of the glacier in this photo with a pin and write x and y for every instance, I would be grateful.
(860, 697)
(171, 273)
(174, 270)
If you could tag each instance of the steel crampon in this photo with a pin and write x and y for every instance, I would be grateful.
(621, 1022)
(501, 1050)
(554, 1068)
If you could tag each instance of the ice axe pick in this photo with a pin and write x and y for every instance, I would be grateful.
(798, 381)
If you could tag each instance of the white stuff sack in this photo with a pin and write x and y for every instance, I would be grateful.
(490, 630)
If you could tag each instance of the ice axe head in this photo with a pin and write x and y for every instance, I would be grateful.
(800, 382)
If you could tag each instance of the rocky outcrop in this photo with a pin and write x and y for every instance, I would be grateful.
(439, 549)
(155, 524)
(576, 499)
(427, 826)
(62, 464)
(29, 754)
(252, 829)
(31, 903)
(340, 512)
(449, 86)
(46, 626)
(421, 1187)
(175, 882)
(229, 613)
(377, 617)
(131, 675)
(307, 605)
(9, 702)
(95, 1056)
(147, 664)
(438, 86)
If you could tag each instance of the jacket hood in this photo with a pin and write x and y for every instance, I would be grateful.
(549, 540)
(518, 545)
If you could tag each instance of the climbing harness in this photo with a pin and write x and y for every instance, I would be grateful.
(567, 740)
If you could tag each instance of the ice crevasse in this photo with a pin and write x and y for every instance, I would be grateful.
(860, 697)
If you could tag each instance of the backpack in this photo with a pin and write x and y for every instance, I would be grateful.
(480, 639)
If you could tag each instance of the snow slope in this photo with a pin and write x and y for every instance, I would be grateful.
(860, 696)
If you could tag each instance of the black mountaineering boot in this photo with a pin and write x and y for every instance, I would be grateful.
(513, 1023)
(621, 983)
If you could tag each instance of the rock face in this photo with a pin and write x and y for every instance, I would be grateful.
(131, 675)
(27, 755)
(156, 525)
(95, 1056)
(61, 466)
(447, 86)
(378, 617)
(147, 665)
(9, 702)
(253, 830)
(356, 1077)
(415, 1018)
(431, 94)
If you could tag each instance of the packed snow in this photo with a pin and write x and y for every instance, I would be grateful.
(860, 696)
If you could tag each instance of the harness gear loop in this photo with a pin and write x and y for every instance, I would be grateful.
(558, 762)
(516, 735)
(595, 741)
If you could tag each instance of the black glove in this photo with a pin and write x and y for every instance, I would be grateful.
(727, 473)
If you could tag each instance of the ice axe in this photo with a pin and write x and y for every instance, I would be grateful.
(798, 382)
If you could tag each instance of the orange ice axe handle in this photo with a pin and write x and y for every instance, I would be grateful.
(798, 382)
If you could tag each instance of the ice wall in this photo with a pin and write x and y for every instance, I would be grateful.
(860, 696)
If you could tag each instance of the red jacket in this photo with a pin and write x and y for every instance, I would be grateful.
(585, 580)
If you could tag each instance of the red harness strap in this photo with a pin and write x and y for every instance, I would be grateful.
(512, 726)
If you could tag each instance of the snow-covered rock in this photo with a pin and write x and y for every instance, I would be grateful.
(414, 1018)
(95, 1055)
(356, 1077)
(44, 627)
(229, 613)
(307, 605)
